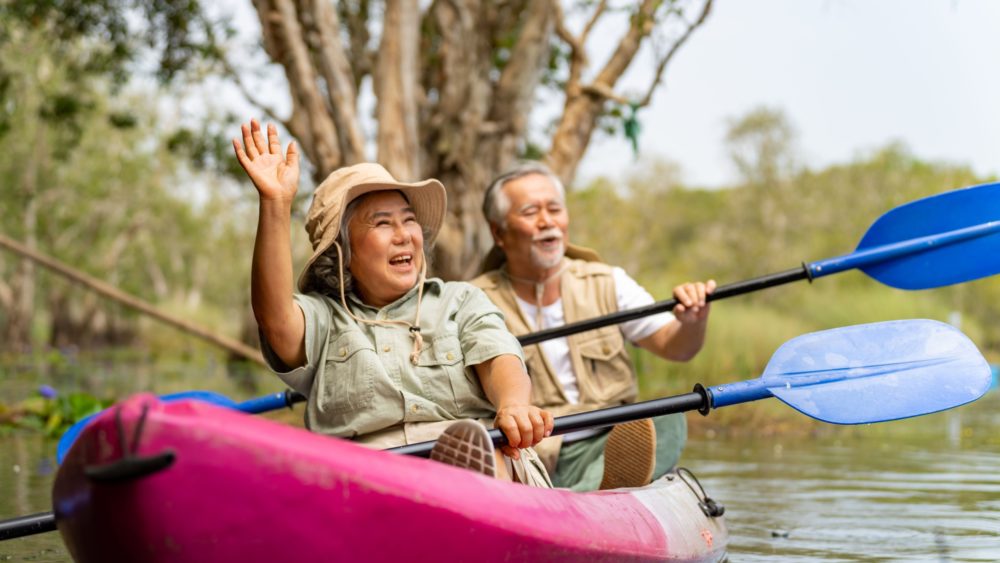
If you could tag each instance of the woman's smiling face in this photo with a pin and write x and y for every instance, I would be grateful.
(387, 247)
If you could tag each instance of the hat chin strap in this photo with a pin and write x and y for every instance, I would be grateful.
(414, 327)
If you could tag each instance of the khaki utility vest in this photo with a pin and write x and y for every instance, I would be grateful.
(604, 372)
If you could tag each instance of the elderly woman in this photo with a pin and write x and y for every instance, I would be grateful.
(386, 356)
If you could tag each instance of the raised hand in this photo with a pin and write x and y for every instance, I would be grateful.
(276, 177)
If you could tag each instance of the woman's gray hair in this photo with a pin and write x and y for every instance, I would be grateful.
(496, 204)
(324, 275)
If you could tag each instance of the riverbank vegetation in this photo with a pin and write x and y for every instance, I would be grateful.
(665, 233)
(99, 175)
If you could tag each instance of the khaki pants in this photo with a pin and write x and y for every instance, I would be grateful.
(580, 466)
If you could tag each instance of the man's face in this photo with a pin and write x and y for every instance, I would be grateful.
(535, 236)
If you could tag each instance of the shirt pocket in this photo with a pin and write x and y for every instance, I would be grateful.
(611, 375)
(349, 377)
(442, 374)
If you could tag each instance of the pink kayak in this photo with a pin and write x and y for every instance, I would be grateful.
(188, 481)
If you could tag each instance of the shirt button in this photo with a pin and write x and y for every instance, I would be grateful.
(343, 352)
(605, 349)
(387, 348)
(450, 356)
(415, 408)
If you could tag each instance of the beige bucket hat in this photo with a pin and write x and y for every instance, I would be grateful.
(344, 185)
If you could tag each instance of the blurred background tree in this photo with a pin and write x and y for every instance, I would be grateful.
(453, 83)
(88, 179)
(107, 169)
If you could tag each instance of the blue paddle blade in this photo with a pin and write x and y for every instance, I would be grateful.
(878, 372)
(941, 264)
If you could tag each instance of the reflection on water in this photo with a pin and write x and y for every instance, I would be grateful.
(26, 475)
(924, 489)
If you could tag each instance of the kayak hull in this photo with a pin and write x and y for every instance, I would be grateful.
(188, 481)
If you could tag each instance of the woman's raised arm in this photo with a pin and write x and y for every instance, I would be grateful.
(276, 178)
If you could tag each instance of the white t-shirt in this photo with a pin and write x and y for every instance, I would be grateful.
(630, 295)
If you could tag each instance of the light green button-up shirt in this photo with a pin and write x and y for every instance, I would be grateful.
(359, 377)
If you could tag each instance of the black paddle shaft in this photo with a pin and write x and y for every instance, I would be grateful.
(730, 290)
(733, 289)
(27, 525)
(698, 400)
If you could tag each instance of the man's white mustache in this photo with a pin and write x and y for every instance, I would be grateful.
(548, 233)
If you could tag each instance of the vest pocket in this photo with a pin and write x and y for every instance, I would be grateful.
(349, 378)
(546, 392)
(442, 373)
(610, 374)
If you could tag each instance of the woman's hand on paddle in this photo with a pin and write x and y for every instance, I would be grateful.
(523, 425)
(276, 177)
(692, 304)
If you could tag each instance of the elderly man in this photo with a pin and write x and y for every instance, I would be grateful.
(541, 281)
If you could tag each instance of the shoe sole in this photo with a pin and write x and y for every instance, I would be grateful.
(466, 444)
(630, 455)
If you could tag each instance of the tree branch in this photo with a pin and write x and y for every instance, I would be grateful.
(356, 24)
(245, 91)
(584, 105)
(109, 291)
(601, 91)
(462, 80)
(515, 90)
(310, 122)
(662, 64)
(322, 35)
(598, 12)
(641, 26)
(562, 31)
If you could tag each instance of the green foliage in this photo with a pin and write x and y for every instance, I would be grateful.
(117, 33)
(665, 233)
(209, 148)
(103, 192)
(52, 416)
(761, 145)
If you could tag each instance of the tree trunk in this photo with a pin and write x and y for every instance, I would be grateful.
(396, 85)
(454, 87)
(310, 123)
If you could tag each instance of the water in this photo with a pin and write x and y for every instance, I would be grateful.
(924, 489)
(26, 474)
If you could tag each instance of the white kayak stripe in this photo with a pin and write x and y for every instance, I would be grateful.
(688, 531)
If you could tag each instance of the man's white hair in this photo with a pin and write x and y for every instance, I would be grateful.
(496, 204)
